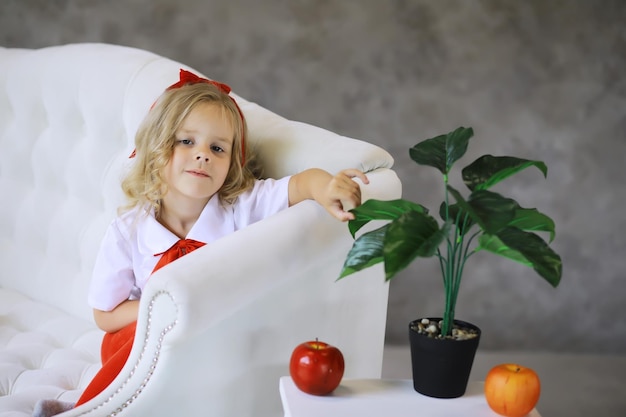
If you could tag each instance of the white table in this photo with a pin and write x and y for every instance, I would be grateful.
(383, 398)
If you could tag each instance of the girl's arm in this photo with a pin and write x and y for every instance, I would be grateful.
(118, 318)
(336, 194)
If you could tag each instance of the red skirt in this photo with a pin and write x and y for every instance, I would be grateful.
(114, 353)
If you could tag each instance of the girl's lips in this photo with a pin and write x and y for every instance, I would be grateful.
(198, 173)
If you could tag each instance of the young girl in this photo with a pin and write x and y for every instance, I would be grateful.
(190, 184)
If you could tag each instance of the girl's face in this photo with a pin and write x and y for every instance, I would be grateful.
(201, 158)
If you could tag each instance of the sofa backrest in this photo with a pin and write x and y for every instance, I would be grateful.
(68, 115)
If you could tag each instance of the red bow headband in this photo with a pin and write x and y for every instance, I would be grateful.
(186, 77)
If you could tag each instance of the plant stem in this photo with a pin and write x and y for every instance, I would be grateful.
(448, 269)
(442, 259)
(461, 258)
(452, 279)
(451, 268)
(457, 256)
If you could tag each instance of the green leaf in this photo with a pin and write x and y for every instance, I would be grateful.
(442, 151)
(381, 210)
(490, 210)
(533, 220)
(489, 170)
(413, 234)
(529, 249)
(366, 251)
(493, 244)
(457, 216)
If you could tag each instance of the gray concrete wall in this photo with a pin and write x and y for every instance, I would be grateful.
(536, 79)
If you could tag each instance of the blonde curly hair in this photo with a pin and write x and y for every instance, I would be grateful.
(155, 139)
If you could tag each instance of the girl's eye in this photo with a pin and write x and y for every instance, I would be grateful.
(217, 148)
(186, 141)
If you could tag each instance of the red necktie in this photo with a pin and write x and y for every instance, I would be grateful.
(178, 249)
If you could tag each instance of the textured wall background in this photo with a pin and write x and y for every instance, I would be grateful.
(536, 79)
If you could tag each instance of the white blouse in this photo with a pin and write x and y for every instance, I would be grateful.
(127, 253)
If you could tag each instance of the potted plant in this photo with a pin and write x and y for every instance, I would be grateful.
(484, 221)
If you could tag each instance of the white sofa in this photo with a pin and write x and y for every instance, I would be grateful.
(217, 327)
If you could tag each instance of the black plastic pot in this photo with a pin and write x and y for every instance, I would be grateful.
(441, 367)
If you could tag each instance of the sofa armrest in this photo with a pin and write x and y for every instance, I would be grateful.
(213, 282)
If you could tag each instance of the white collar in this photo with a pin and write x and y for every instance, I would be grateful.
(214, 222)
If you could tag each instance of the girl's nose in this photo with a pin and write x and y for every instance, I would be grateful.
(203, 154)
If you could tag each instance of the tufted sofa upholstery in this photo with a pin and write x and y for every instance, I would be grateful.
(215, 328)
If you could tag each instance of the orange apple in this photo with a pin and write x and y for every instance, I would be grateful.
(512, 390)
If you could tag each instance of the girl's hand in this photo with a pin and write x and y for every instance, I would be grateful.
(336, 194)
(342, 194)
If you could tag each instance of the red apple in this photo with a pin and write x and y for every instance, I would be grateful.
(316, 367)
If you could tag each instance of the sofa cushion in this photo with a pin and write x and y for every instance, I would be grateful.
(44, 352)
